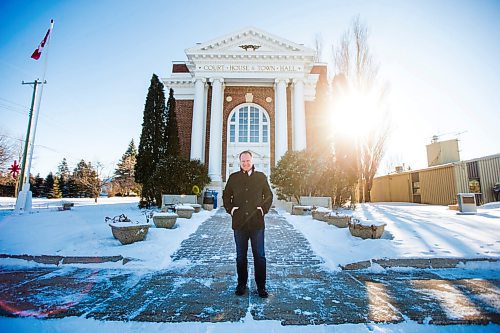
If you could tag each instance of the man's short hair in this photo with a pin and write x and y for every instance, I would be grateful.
(246, 152)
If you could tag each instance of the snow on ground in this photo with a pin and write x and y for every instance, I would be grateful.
(412, 231)
(246, 325)
(82, 231)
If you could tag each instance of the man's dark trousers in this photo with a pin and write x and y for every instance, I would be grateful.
(256, 238)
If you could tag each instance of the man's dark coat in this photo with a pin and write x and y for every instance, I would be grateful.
(247, 193)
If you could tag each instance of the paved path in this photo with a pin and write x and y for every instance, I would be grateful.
(200, 283)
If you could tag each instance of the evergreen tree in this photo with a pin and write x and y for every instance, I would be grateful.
(152, 145)
(49, 185)
(292, 174)
(173, 146)
(124, 181)
(86, 180)
(56, 192)
(178, 175)
(64, 178)
(37, 186)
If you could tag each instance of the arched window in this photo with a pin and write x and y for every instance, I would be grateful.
(249, 124)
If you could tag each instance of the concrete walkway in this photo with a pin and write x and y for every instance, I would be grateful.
(199, 286)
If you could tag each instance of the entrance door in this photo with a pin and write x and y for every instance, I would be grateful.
(248, 129)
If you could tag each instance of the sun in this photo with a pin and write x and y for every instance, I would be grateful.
(355, 113)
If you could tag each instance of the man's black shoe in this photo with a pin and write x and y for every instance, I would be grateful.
(263, 293)
(241, 290)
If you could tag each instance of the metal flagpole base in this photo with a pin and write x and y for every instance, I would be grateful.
(24, 201)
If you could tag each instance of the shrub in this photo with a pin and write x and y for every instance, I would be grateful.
(177, 175)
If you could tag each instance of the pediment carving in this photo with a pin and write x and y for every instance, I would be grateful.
(249, 41)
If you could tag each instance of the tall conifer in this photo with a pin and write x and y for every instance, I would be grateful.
(124, 173)
(152, 145)
(173, 146)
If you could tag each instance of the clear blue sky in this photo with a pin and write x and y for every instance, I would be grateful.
(440, 58)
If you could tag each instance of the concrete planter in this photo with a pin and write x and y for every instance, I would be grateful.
(165, 220)
(197, 207)
(319, 213)
(340, 221)
(128, 233)
(366, 229)
(184, 211)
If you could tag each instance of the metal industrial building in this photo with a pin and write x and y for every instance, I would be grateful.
(439, 185)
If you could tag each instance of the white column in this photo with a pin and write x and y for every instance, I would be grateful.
(215, 146)
(298, 116)
(281, 122)
(205, 115)
(197, 130)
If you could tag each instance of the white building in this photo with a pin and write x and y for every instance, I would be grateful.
(248, 90)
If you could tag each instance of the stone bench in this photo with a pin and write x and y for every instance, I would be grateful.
(300, 210)
(317, 201)
(66, 206)
(170, 200)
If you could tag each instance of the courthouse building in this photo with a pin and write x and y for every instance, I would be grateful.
(248, 90)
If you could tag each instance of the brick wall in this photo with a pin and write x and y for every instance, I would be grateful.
(238, 97)
(184, 113)
(179, 68)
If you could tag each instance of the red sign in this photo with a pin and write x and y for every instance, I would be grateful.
(14, 169)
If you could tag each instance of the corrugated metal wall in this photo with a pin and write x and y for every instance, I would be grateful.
(400, 187)
(489, 173)
(380, 189)
(461, 179)
(438, 186)
(391, 188)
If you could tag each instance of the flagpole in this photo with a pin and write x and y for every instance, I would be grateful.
(24, 198)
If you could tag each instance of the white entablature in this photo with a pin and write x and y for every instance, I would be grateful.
(246, 57)
(250, 53)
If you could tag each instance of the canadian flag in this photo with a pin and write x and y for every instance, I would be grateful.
(38, 52)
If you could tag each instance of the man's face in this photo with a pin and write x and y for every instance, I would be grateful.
(246, 162)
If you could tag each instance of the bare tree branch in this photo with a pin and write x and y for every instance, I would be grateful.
(318, 48)
(353, 61)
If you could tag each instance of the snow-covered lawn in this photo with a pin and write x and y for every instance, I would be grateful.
(412, 231)
(82, 231)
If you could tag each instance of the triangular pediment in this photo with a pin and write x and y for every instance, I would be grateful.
(249, 41)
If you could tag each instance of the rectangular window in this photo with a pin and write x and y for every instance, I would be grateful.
(243, 126)
(415, 183)
(232, 132)
(473, 170)
(264, 133)
(254, 124)
(474, 186)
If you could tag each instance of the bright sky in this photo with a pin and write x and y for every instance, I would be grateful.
(439, 57)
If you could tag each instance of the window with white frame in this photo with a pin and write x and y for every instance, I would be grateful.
(249, 124)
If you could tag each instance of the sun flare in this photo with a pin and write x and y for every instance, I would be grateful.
(355, 113)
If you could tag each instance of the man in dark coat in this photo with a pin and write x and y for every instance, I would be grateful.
(248, 197)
